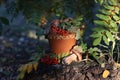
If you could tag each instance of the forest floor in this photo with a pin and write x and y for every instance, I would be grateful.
(16, 50)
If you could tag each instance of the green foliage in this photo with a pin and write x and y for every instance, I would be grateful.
(99, 1)
(78, 36)
(72, 23)
(54, 8)
(84, 46)
(111, 2)
(74, 26)
(103, 17)
(108, 20)
(97, 41)
(96, 53)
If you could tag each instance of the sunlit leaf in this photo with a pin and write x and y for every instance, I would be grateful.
(105, 40)
(99, 28)
(108, 7)
(23, 67)
(117, 10)
(113, 24)
(101, 23)
(96, 49)
(115, 17)
(109, 35)
(35, 65)
(96, 1)
(101, 2)
(97, 41)
(57, 14)
(95, 35)
(118, 21)
(112, 2)
(103, 17)
(29, 68)
(104, 11)
(78, 36)
(105, 73)
(96, 56)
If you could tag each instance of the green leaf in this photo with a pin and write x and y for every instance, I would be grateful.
(113, 24)
(101, 23)
(99, 28)
(108, 7)
(95, 35)
(109, 35)
(103, 17)
(101, 2)
(97, 41)
(96, 1)
(78, 36)
(104, 11)
(84, 46)
(112, 2)
(4, 20)
(57, 14)
(80, 18)
(98, 22)
(105, 40)
(117, 10)
(96, 49)
(115, 17)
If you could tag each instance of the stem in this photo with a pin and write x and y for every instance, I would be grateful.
(118, 54)
(113, 46)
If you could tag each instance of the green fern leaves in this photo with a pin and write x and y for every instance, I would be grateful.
(108, 20)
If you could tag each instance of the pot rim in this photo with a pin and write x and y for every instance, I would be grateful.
(58, 36)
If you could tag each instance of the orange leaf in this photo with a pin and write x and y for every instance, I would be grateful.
(35, 65)
(29, 69)
(23, 68)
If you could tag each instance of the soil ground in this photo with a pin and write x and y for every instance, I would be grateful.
(16, 50)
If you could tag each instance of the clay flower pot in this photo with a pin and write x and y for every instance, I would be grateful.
(60, 44)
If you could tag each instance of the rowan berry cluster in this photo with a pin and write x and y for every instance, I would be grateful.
(48, 60)
(57, 30)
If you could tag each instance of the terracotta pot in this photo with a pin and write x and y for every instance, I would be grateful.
(61, 44)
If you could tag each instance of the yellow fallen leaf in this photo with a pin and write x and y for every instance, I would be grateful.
(117, 65)
(35, 65)
(105, 73)
(23, 68)
(29, 68)
(21, 75)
